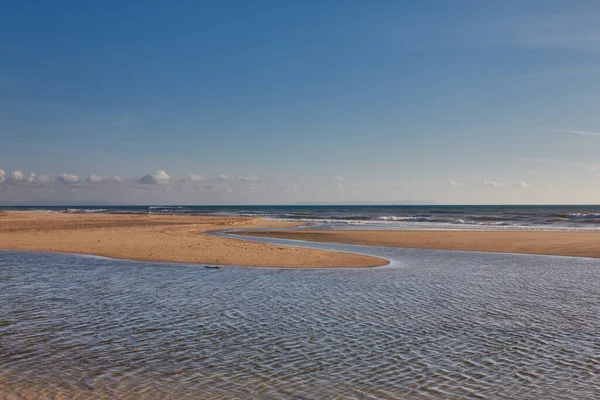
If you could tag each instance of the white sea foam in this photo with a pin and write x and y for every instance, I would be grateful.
(416, 225)
(581, 215)
(86, 210)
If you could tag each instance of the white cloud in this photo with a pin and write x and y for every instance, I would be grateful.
(16, 176)
(224, 177)
(35, 179)
(31, 178)
(339, 178)
(68, 179)
(491, 183)
(229, 190)
(522, 184)
(159, 177)
(114, 178)
(94, 178)
(453, 183)
(2, 175)
(41, 179)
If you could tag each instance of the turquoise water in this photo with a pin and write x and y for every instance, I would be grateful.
(433, 324)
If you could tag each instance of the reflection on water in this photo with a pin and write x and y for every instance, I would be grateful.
(434, 325)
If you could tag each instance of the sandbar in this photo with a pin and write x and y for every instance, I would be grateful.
(559, 243)
(163, 238)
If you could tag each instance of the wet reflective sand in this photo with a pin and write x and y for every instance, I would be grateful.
(433, 324)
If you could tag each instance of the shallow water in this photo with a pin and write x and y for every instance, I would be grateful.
(433, 324)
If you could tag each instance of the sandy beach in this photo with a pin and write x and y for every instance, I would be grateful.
(162, 238)
(169, 238)
(559, 243)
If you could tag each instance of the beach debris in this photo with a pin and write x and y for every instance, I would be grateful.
(212, 266)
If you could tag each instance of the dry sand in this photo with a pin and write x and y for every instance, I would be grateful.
(162, 238)
(560, 243)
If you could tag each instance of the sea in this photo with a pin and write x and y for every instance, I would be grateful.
(483, 217)
(432, 324)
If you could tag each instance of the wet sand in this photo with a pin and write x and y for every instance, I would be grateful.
(163, 238)
(559, 243)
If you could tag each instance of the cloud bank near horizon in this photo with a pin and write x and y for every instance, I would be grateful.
(160, 187)
(17, 187)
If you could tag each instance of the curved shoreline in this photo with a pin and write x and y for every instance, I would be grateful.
(237, 234)
(164, 238)
(549, 243)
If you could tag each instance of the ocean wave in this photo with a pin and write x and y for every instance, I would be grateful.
(577, 215)
(85, 210)
(387, 217)
(494, 218)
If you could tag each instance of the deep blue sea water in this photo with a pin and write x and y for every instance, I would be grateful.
(393, 217)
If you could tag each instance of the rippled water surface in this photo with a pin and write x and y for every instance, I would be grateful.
(434, 324)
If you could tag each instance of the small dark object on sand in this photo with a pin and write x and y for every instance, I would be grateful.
(212, 266)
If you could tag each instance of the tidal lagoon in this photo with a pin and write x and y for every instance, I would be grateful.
(432, 324)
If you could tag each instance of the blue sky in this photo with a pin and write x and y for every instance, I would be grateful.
(449, 101)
